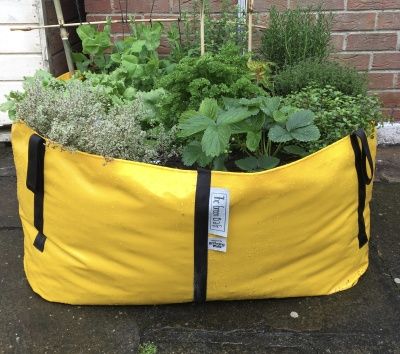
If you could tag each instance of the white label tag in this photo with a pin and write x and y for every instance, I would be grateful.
(217, 244)
(218, 216)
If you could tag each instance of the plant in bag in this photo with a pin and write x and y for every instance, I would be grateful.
(337, 114)
(259, 127)
(295, 35)
(209, 76)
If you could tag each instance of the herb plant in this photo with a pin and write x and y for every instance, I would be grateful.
(295, 35)
(80, 116)
(337, 114)
(211, 76)
(320, 74)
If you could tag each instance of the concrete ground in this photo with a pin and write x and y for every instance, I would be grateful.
(364, 319)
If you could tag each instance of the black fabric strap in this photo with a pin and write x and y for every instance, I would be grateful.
(362, 155)
(35, 183)
(201, 235)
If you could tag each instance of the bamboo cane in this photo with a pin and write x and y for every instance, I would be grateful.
(64, 36)
(202, 45)
(30, 28)
(250, 24)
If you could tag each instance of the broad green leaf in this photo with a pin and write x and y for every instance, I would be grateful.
(256, 122)
(137, 46)
(204, 160)
(253, 140)
(81, 61)
(219, 163)
(116, 58)
(139, 71)
(266, 162)
(215, 139)
(191, 153)
(295, 150)
(299, 119)
(187, 115)
(233, 115)
(78, 57)
(271, 105)
(86, 31)
(230, 102)
(279, 116)
(247, 164)
(194, 125)
(100, 61)
(278, 134)
(129, 62)
(308, 133)
(209, 107)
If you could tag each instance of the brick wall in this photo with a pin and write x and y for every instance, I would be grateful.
(366, 33)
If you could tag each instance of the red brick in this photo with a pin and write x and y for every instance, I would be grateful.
(265, 5)
(389, 20)
(358, 61)
(386, 61)
(372, 41)
(337, 42)
(390, 99)
(326, 5)
(373, 4)
(98, 6)
(354, 21)
(380, 81)
(141, 6)
(392, 112)
(397, 81)
(189, 5)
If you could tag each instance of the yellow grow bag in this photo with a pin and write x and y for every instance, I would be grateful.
(123, 232)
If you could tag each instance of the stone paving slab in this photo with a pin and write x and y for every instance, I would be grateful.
(363, 319)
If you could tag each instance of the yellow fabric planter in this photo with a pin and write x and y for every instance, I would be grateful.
(122, 232)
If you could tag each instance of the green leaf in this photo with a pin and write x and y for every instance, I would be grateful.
(308, 133)
(100, 61)
(116, 58)
(191, 153)
(215, 139)
(187, 115)
(280, 116)
(267, 162)
(195, 125)
(278, 134)
(219, 163)
(230, 102)
(86, 31)
(137, 46)
(253, 140)
(129, 62)
(295, 150)
(233, 115)
(299, 119)
(247, 164)
(209, 107)
(271, 105)
(6, 106)
(81, 61)
(130, 93)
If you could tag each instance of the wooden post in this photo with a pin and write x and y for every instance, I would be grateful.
(64, 36)
(250, 24)
(202, 45)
